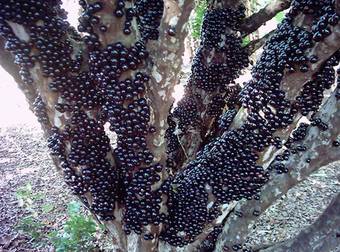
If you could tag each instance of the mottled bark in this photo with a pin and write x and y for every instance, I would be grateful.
(237, 228)
(165, 61)
(164, 64)
(57, 119)
(195, 135)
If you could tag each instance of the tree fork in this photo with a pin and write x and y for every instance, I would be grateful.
(186, 136)
(107, 76)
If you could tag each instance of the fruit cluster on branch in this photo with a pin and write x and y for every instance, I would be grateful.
(228, 168)
(218, 61)
(88, 85)
(85, 80)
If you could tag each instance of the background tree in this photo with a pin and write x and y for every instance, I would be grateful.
(179, 177)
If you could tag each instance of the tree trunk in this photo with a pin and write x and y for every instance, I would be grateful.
(175, 175)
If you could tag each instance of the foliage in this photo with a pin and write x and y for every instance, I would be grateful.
(47, 208)
(245, 41)
(32, 227)
(77, 234)
(26, 197)
(279, 16)
(196, 23)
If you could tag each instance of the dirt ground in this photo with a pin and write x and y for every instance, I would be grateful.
(24, 159)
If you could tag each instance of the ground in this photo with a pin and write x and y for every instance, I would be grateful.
(24, 160)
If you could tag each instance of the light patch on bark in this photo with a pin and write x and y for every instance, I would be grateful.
(156, 75)
(161, 93)
(222, 43)
(57, 122)
(277, 192)
(181, 3)
(173, 21)
(226, 208)
(267, 154)
(132, 241)
(210, 205)
(169, 81)
(19, 31)
(159, 140)
(171, 56)
(165, 247)
(173, 40)
(240, 118)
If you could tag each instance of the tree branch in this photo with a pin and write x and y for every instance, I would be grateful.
(256, 20)
(223, 170)
(236, 229)
(214, 69)
(321, 236)
(73, 83)
(256, 44)
(165, 65)
(7, 63)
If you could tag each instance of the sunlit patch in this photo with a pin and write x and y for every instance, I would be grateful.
(73, 9)
(178, 93)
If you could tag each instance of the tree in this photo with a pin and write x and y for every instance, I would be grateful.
(179, 175)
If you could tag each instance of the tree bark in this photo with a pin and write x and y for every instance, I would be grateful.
(126, 191)
(192, 136)
(236, 228)
(258, 19)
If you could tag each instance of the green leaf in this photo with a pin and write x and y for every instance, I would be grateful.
(279, 17)
(196, 23)
(24, 192)
(31, 226)
(38, 196)
(73, 208)
(78, 231)
(245, 41)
